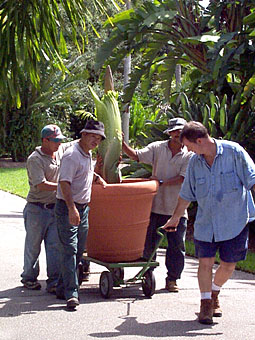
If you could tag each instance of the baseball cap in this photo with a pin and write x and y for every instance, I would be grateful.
(94, 126)
(175, 124)
(52, 132)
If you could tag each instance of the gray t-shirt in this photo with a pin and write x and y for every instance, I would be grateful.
(164, 167)
(77, 169)
(42, 168)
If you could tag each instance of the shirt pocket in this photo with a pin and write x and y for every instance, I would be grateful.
(229, 181)
(201, 187)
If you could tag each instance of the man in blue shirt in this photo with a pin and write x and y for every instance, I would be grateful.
(219, 177)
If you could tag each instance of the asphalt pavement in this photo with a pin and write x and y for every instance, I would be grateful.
(128, 314)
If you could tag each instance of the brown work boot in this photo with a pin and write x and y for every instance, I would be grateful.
(171, 286)
(216, 305)
(206, 312)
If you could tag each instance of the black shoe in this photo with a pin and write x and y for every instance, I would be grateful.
(33, 285)
(72, 303)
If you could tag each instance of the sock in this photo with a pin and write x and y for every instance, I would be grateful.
(215, 287)
(206, 295)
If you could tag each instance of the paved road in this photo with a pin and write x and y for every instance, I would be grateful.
(128, 315)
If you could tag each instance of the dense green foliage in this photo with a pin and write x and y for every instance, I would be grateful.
(45, 80)
(32, 32)
(215, 48)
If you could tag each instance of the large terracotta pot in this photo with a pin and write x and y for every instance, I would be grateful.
(118, 220)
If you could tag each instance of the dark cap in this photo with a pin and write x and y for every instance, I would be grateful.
(94, 126)
(52, 132)
(175, 124)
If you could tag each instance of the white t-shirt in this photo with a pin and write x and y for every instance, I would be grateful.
(77, 168)
(164, 167)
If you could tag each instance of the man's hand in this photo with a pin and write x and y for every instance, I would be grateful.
(171, 224)
(101, 181)
(74, 216)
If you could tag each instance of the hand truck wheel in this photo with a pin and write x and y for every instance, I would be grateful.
(149, 283)
(106, 284)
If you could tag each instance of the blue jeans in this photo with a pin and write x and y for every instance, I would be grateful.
(72, 240)
(40, 225)
(175, 252)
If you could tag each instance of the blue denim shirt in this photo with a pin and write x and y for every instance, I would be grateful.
(225, 203)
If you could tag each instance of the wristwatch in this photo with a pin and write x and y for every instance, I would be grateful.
(161, 181)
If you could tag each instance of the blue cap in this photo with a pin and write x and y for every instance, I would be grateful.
(52, 132)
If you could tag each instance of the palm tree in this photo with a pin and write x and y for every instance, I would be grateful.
(215, 47)
(171, 32)
(34, 50)
(32, 31)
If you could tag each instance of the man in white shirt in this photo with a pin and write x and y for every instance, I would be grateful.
(73, 195)
(169, 160)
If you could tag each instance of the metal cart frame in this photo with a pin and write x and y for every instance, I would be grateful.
(114, 277)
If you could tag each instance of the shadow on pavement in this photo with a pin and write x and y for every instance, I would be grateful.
(171, 328)
(19, 301)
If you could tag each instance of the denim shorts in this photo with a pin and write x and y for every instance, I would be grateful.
(231, 251)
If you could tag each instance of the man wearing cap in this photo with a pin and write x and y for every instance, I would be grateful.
(169, 160)
(43, 170)
(73, 195)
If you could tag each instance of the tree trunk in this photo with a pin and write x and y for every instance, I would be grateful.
(178, 73)
(127, 69)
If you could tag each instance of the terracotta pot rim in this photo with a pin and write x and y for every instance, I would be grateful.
(136, 187)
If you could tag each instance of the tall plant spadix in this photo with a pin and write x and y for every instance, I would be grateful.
(107, 111)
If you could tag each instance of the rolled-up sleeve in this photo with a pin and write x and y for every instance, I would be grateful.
(145, 155)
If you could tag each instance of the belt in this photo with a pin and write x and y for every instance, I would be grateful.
(81, 205)
(44, 205)
(78, 205)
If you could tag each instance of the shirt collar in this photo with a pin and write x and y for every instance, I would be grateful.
(77, 145)
(39, 150)
(219, 149)
(182, 151)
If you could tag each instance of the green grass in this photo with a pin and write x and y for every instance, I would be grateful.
(14, 180)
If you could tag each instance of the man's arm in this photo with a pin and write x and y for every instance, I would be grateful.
(99, 180)
(47, 186)
(74, 216)
(129, 151)
(172, 223)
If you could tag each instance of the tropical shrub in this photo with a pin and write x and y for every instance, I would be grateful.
(215, 48)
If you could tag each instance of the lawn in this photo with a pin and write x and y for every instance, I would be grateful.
(15, 181)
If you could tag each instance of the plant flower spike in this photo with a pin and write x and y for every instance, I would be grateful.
(107, 111)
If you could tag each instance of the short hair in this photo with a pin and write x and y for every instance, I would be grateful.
(193, 130)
